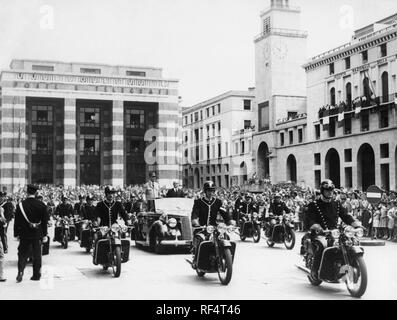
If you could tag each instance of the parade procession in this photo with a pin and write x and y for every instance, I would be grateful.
(115, 186)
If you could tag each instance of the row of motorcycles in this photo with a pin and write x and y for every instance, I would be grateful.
(110, 244)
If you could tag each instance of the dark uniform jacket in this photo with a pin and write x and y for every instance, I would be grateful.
(276, 209)
(246, 208)
(326, 214)
(64, 210)
(8, 210)
(171, 193)
(207, 211)
(88, 212)
(36, 212)
(77, 210)
(114, 209)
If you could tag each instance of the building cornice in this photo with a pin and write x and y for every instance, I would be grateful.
(351, 48)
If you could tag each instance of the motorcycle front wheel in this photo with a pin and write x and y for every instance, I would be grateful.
(225, 266)
(200, 273)
(117, 262)
(257, 234)
(357, 278)
(289, 239)
(270, 243)
(65, 240)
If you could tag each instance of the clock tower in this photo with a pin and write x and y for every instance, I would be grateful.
(280, 79)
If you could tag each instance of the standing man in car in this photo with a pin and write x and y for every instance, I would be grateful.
(152, 191)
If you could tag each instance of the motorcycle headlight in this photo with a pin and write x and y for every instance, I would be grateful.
(359, 233)
(335, 233)
(210, 229)
(115, 228)
(222, 228)
(350, 232)
(172, 223)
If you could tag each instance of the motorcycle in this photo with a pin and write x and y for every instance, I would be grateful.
(110, 249)
(63, 229)
(78, 222)
(87, 235)
(215, 253)
(342, 259)
(282, 232)
(250, 227)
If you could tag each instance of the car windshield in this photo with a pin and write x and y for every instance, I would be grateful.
(180, 206)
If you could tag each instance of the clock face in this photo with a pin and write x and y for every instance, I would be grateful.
(266, 52)
(280, 50)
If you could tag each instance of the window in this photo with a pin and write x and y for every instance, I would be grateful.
(196, 116)
(219, 150)
(186, 153)
(236, 148)
(347, 124)
(291, 137)
(348, 155)
(242, 146)
(196, 135)
(332, 98)
(208, 132)
(137, 145)
(317, 159)
(383, 50)
(317, 130)
(89, 144)
(300, 135)
(347, 63)
(364, 56)
(281, 138)
(219, 168)
(186, 136)
(384, 118)
(219, 108)
(266, 25)
(89, 117)
(263, 110)
(208, 169)
(385, 86)
(384, 150)
(219, 128)
(247, 124)
(247, 104)
(213, 110)
(349, 94)
(191, 118)
(201, 114)
(207, 112)
(89, 70)
(364, 115)
(42, 115)
(366, 88)
(208, 153)
(331, 68)
(201, 134)
(135, 119)
(197, 154)
(213, 129)
(42, 143)
(135, 73)
(213, 168)
(226, 167)
(42, 68)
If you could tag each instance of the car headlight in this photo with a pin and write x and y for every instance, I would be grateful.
(222, 228)
(210, 229)
(172, 223)
(255, 215)
(335, 233)
(359, 232)
(84, 226)
(350, 232)
(115, 228)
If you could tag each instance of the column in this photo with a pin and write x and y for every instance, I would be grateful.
(117, 151)
(13, 159)
(69, 150)
(170, 140)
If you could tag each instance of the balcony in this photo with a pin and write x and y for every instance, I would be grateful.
(281, 32)
(288, 119)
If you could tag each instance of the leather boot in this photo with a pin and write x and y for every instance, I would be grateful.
(2, 279)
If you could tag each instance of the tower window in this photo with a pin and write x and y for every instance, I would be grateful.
(266, 25)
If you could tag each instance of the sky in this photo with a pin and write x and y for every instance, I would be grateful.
(206, 44)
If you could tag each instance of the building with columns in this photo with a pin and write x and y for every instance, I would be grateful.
(76, 123)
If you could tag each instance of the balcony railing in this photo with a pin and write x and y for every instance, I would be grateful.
(295, 117)
(362, 102)
(283, 32)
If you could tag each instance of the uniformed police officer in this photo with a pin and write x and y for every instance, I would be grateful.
(64, 209)
(8, 215)
(323, 214)
(30, 228)
(88, 210)
(277, 208)
(109, 210)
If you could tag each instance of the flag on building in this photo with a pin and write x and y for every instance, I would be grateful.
(341, 119)
(357, 110)
(326, 120)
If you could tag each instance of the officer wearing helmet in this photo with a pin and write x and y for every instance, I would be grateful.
(64, 209)
(277, 208)
(323, 214)
(109, 210)
(206, 209)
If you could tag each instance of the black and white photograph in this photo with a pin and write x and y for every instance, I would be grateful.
(204, 151)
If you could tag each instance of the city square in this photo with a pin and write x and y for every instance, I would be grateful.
(284, 188)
